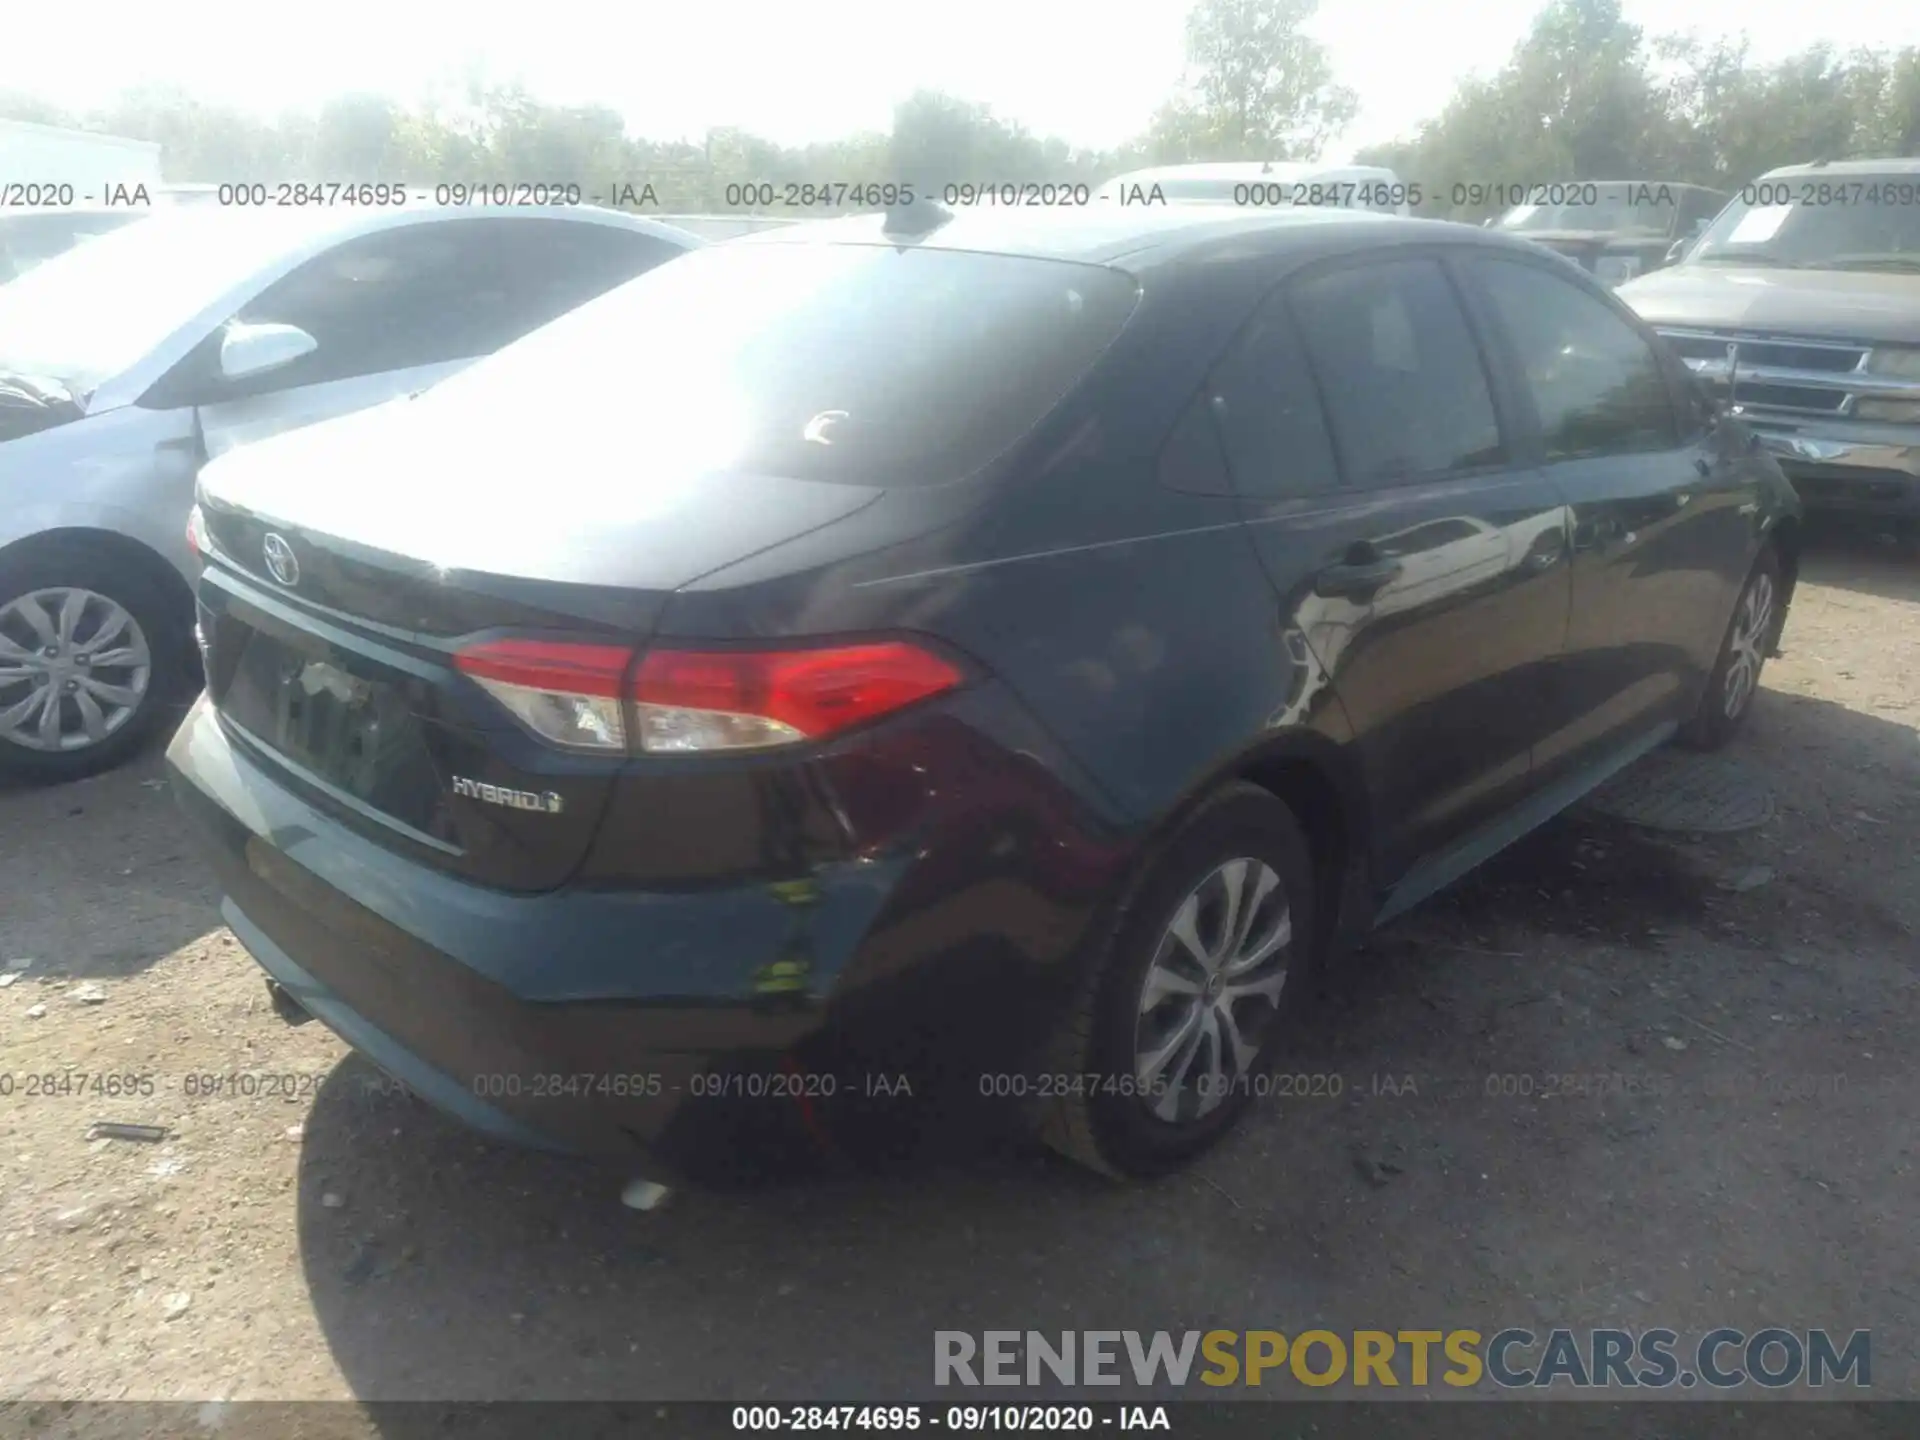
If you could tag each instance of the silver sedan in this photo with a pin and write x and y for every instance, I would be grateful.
(129, 362)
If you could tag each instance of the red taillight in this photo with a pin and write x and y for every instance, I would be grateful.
(547, 665)
(700, 701)
(696, 701)
(565, 693)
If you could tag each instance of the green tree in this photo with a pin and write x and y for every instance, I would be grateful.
(1897, 123)
(1586, 96)
(1583, 96)
(18, 105)
(941, 140)
(1577, 100)
(357, 136)
(1258, 87)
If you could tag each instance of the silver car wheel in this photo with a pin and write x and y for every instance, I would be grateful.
(1213, 985)
(1747, 645)
(74, 668)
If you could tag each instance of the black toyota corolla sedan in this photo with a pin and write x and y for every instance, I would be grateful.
(1011, 649)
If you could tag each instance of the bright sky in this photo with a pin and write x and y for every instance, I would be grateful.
(1089, 71)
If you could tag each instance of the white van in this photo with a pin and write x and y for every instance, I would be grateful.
(1271, 184)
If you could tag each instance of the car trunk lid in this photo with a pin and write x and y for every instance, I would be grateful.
(335, 607)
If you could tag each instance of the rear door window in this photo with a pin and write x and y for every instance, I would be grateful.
(1405, 388)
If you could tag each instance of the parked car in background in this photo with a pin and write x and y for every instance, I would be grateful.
(906, 643)
(1262, 185)
(1800, 307)
(29, 237)
(126, 363)
(55, 165)
(1617, 229)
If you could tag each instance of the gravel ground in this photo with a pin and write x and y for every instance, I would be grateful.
(317, 1236)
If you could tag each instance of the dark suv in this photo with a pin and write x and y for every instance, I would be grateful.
(1616, 229)
(992, 651)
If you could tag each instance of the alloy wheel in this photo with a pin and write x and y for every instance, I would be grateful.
(75, 667)
(1213, 985)
(1747, 645)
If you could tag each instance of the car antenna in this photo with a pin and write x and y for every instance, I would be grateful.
(922, 215)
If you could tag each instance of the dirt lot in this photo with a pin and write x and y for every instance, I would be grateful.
(342, 1241)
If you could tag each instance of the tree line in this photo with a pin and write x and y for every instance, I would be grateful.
(1584, 95)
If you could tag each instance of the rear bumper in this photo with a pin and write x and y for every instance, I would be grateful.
(617, 1022)
(442, 983)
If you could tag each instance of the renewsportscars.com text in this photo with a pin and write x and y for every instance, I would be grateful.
(1721, 1359)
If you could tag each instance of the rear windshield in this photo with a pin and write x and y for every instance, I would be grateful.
(856, 364)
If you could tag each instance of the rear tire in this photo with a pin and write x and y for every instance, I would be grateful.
(1167, 1043)
(96, 640)
(1751, 634)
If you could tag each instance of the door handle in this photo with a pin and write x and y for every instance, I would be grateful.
(1355, 579)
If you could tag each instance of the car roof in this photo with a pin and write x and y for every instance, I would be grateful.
(326, 224)
(1243, 170)
(285, 234)
(1648, 184)
(1105, 233)
(1904, 165)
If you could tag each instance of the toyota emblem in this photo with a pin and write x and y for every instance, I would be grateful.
(281, 561)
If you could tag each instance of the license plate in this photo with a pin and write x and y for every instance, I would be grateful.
(329, 720)
(356, 734)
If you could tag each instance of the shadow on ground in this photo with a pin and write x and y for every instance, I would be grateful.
(117, 838)
(1849, 554)
(448, 1268)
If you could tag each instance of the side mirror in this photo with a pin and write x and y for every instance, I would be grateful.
(249, 350)
(1677, 249)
